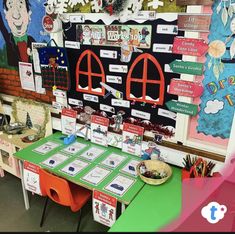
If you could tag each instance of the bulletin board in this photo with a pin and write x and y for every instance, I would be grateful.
(150, 103)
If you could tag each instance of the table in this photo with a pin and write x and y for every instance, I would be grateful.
(27, 154)
(153, 208)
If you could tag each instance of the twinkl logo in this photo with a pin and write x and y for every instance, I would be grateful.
(213, 212)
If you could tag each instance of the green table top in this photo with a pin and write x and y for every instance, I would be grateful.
(153, 208)
(27, 154)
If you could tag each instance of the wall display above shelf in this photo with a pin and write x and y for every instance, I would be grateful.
(118, 70)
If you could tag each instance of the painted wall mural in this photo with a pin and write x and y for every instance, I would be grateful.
(218, 100)
(17, 20)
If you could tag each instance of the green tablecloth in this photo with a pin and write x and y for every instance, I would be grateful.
(27, 154)
(153, 208)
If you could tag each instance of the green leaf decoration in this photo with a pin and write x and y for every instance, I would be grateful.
(230, 11)
(210, 64)
(221, 67)
(224, 16)
(216, 71)
(218, 8)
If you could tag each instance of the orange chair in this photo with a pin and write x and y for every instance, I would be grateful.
(62, 192)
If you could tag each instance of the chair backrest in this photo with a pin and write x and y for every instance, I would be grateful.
(55, 187)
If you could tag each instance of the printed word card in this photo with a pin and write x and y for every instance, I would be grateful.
(74, 148)
(120, 185)
(130, 167)
(96, 175)
(55, 160)
(113, 160)
(46, 148)
(92, 153)
(73, 168)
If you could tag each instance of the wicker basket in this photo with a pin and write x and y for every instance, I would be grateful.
(155, 165)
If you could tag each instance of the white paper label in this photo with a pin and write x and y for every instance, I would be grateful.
(59, 93)
(108, 54)
(77, 18)
(167, 29)
(107, 108)
(122, 103)
(146, 15)
(166, 113)
(167, 68)
(118, 68)
(162, 48)
(114, 79)
(72, 44)
(38, 84)
(140, 114)
(75, 102)
(57, 105)
(90, 98)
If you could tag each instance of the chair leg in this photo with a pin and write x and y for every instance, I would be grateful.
(44, 211)
(80, 219)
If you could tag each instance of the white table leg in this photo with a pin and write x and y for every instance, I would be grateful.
(123, 208)
(25, 193)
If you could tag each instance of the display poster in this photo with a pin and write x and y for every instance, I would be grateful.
(68, 121)
(31, 177)
(99, 130)
(104, 208)
(132, 139)
(26, 76)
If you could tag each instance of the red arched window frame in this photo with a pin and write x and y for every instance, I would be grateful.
(90, 75)
(146, 57)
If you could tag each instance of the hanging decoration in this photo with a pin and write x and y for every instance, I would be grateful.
(216, 50)
(114, 7)
(124, 9)
(225, 10)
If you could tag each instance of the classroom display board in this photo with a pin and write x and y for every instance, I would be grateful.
(125, 67)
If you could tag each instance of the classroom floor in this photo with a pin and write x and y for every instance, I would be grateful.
(14, 217)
